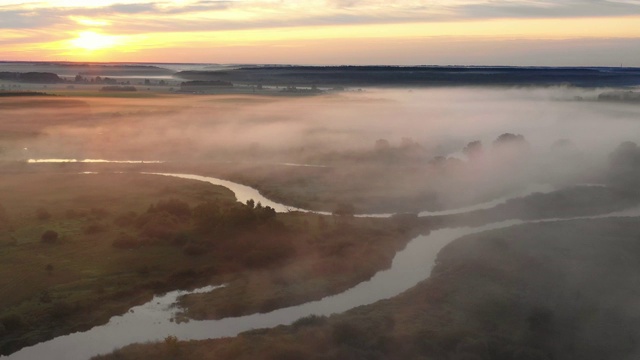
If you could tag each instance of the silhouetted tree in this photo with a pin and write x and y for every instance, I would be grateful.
(251, 203)
(473, 150)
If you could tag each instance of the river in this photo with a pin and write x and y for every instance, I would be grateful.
(244, 193)
(155, 320)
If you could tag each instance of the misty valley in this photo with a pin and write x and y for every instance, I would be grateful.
(226, 212)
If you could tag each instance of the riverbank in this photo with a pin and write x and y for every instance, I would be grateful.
(328, 256)
(558, 290)
(115, 246)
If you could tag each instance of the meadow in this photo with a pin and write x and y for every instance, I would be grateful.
(83, 241)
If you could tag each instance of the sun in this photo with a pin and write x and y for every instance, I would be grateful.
(90, 41)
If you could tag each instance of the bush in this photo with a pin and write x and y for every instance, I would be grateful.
(174, 207)
(75, 214)
(126, 219)
(42, 214)
(344, 333)
(98, 213)
(182, 238)
(12, 322)
(194, 250)
(95, 228)
(125, 241)
(311, 320)
(45, 297)
(61, 310)
(49, 237)
(159, 225)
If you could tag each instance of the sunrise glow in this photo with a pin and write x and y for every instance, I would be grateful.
(89, 40)
(255, 31)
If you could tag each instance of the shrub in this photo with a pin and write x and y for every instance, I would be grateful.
(172, 344)
(42, 214)
(194, 250)
(126, 219)
(75, 214)
(98, 213)
(344, 333)
(45, 297)
(181, 238)
(174, 207)
(12, 322)
(61, 310)
(311, 320)
(159, 225)
(49, 237)
(95, 228)
(125, 241)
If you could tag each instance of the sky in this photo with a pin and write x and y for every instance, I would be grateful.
(325, 32)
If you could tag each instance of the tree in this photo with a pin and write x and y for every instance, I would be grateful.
(208, 217)
(473, 150)
(511, 148)
(174, 207)
(511, 139)
(251, 203)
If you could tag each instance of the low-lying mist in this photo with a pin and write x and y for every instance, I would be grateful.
(410, 139)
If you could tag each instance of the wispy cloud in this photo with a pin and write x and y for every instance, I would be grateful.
(164, 23)
(224, 15)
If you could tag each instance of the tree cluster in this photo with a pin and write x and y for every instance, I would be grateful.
(249, 233)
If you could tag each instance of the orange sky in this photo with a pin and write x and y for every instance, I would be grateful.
(519, 32)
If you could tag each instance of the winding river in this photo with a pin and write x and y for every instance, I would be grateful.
(244, 193)
(150, 322)
(155, 320)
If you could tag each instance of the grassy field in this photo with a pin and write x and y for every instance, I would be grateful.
(557, 290)
(81, 269)
(118, 242)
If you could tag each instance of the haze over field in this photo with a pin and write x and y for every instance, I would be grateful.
(568, 133)
(457, 178)
(442, 120)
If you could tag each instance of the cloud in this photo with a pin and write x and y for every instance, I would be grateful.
(547, 9)
(250, 14)
(164, 24)
(29, 17)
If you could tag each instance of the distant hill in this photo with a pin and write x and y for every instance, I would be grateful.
(418, 76)
(70, 69)
(22, 93)
(620, 96)
(31, 77)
